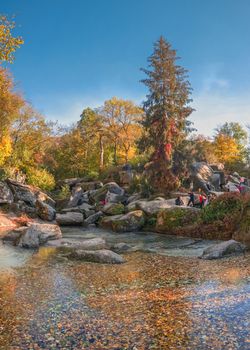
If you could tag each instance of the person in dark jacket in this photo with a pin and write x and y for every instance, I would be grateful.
(191, 199)
(179, 201)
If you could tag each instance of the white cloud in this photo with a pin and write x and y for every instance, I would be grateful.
(213, 109)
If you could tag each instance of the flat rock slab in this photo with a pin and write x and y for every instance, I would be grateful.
(222, 250)
(102, 256)
(69, 219)
(88, 244)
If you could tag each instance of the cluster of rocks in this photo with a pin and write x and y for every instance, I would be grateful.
(27, 199)
(211, 178)
(109, 207)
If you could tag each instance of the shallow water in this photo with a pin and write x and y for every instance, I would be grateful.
(152, 301)
(144, 241)
(11, 257)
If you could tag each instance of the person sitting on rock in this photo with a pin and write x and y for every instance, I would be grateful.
(191, 199)
(179, 201)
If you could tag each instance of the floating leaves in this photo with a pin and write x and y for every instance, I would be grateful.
(151, 302)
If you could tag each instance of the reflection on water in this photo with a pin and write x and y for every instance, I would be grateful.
(151, 302)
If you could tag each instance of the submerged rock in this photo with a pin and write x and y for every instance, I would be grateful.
(222, 250)
(132, 221)
(69, 219)
(121, 247)
(102, 256)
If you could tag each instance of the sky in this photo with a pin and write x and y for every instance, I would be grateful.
(79, 53)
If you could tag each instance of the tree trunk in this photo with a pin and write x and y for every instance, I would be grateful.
(101, 152)
(115, 153)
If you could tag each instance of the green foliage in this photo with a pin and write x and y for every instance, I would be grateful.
(176, 218)
(64, 193)
(141, 184)
(166, 111)
(225, 207)
(40, 178)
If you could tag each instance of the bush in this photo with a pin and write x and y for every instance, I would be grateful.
(40, 178)
(226, 207)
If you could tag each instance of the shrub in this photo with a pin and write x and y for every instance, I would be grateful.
(40, 178)
(226, 207)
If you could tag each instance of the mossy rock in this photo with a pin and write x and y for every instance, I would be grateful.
(170, 219)
(113, 209)
(132, 221)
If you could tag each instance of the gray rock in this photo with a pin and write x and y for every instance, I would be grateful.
(75, 198)
(15, 235)
(132, 221)
(85, 208)
(121, 247)
(45, 211)
(100, 194)
(91, 244)
(30, 238)
(6, 195)
(115, 198)
(202, 174)
(69, 219)
(37, 234)
(93, 219)
(98, 256)
(28, 194)
(222, 250)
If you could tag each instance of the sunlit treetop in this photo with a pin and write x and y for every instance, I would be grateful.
(8, 43)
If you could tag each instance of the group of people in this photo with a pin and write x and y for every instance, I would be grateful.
(196, 200)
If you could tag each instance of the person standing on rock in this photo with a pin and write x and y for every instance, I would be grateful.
(191, 199)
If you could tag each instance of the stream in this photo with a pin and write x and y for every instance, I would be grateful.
(163, 297)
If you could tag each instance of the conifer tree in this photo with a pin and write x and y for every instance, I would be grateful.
(166, 111)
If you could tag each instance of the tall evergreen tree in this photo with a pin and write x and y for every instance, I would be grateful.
(166, 111)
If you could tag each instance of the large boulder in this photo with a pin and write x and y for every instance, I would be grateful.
(6, 195)
(222, 250)
(100, 194)
(152, 208)
(175, 217)
(28, 194)
(69, 219)
(45, 211)
(202, 175)
(38, 234)
(102, 256)
(132, 221)
(76, 197)
(113, 209)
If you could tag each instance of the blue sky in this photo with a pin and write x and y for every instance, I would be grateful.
(78, 53)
